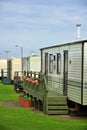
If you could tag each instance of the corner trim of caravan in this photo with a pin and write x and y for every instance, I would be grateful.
(82, 73)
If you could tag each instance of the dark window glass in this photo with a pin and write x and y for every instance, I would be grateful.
(58, 63)
(51, 58)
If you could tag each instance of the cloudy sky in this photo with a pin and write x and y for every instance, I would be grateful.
(34, 24)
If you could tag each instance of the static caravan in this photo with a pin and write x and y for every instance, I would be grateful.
(14, 65)
(35, 63)
(32, 63)
(3, 65)
(65, 66)
(29, 64)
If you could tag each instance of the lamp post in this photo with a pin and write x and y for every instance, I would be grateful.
(22, 58)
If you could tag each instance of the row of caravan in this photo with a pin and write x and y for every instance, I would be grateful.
(17, 64)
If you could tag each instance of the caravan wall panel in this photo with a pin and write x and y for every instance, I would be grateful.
(74, 72)
(16, 66)
(3, 65)
(85, 76)
(35, 63)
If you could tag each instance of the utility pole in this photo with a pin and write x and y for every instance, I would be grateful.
(22, 58)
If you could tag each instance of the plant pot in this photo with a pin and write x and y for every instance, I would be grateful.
(24, 101)
(27, 104)
(21, 100)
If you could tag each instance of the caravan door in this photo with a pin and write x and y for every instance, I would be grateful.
(46, 64)
(65, 75)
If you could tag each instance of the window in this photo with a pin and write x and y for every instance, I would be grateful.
(58, 63)
(46, 63)
(51, 58)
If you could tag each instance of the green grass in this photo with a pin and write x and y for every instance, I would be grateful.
(7, 93)
(25, 119)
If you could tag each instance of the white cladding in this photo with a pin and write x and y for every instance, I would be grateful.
(32, 63)
(85, 75)
(3, 65)
(35, 63)
(15, 66)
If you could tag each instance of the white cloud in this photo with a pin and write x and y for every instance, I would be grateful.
(39, 15)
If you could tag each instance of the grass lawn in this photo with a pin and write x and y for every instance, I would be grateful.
(25, 119)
